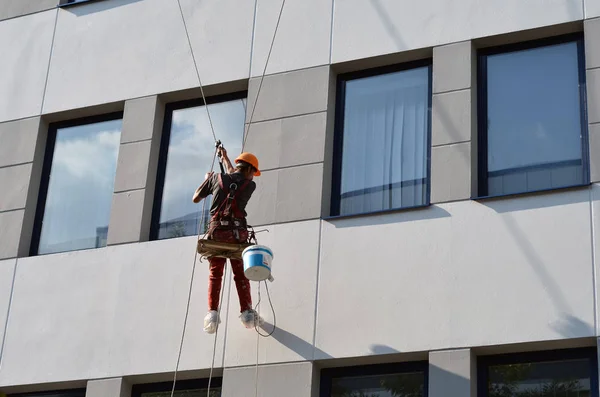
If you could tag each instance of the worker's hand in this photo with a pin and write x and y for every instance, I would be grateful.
(222, 152)
(208, 175)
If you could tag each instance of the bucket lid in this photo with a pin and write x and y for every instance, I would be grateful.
(257, 248)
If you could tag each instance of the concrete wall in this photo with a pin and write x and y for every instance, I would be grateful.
(440, 282)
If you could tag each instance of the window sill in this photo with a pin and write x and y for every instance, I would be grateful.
(76, 3)
(376, 213)
(531, 193)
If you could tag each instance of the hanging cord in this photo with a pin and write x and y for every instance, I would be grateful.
(263, 75)
(187, 308)
(272, 310)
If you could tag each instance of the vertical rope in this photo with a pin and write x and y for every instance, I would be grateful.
(187, 308)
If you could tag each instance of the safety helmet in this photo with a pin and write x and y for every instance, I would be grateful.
(250, 159)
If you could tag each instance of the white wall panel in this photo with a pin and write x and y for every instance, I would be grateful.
(295, 249)
(25, 44)
(364, 28)
(106, 312)
(592, 8)
(118, 49)
(460, 274)
(303, 37)
(221, 36)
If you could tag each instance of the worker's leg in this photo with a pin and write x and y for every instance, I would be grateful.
(215, 279)
(242, 284)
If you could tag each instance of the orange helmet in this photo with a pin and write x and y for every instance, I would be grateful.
(250, 159)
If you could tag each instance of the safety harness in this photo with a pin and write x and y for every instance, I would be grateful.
(229, 217)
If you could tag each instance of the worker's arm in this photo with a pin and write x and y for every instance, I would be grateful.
(223, 154)
(205, 189)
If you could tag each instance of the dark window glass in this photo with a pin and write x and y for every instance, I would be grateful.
(62, 393)
(544, 379)
(387, 380)
(190, 153)
(535, 130)
(214, 392)
(382, 149)
(558, 373)
(185, 388)
(80, 184)
(393, 385)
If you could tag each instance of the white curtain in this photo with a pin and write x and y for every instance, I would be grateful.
(384, 154)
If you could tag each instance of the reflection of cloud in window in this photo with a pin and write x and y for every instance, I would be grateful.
(81, 186)
(191, 151)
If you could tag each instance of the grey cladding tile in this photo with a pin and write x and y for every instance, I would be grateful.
(288, 142)
(451, 117)
(451, 173)
(15, 183)
(18, 141)
(289, 94)
(452, 66)
(132, 166)
(592, 43)
(10, 232)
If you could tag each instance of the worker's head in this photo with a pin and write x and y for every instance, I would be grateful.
(247, 164)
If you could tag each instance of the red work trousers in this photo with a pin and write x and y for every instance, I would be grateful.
(217, 266)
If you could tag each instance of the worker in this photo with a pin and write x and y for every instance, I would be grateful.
(230, 194)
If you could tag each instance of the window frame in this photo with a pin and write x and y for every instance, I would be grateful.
(485, 362)
(138, 389)
(42, 195)
(328, 374)
(79, 392)
(338, 134)
(482, 191)
(164, 149)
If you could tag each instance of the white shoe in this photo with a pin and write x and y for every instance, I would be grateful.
(211, 322)
(251, 319)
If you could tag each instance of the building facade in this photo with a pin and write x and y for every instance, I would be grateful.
(429, 185)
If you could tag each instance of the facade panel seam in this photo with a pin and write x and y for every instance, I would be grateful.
(49, 62)
(451, 91)
(287, 117)
(314, 338)
(15, 164)
(451, 144)
(257, 77)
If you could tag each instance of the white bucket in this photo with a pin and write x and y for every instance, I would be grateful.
(257, 262)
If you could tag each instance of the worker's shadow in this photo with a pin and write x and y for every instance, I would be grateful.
(298, 345)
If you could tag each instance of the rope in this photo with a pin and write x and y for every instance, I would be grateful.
(263, 75)
(189, 298)
(212, 128)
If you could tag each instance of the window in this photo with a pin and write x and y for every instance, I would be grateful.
(77, 185)
(57, 393)
(187, 151)
(398, 380)
(566, 373)
(381, 159)
(532, 124)
(183, 388)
